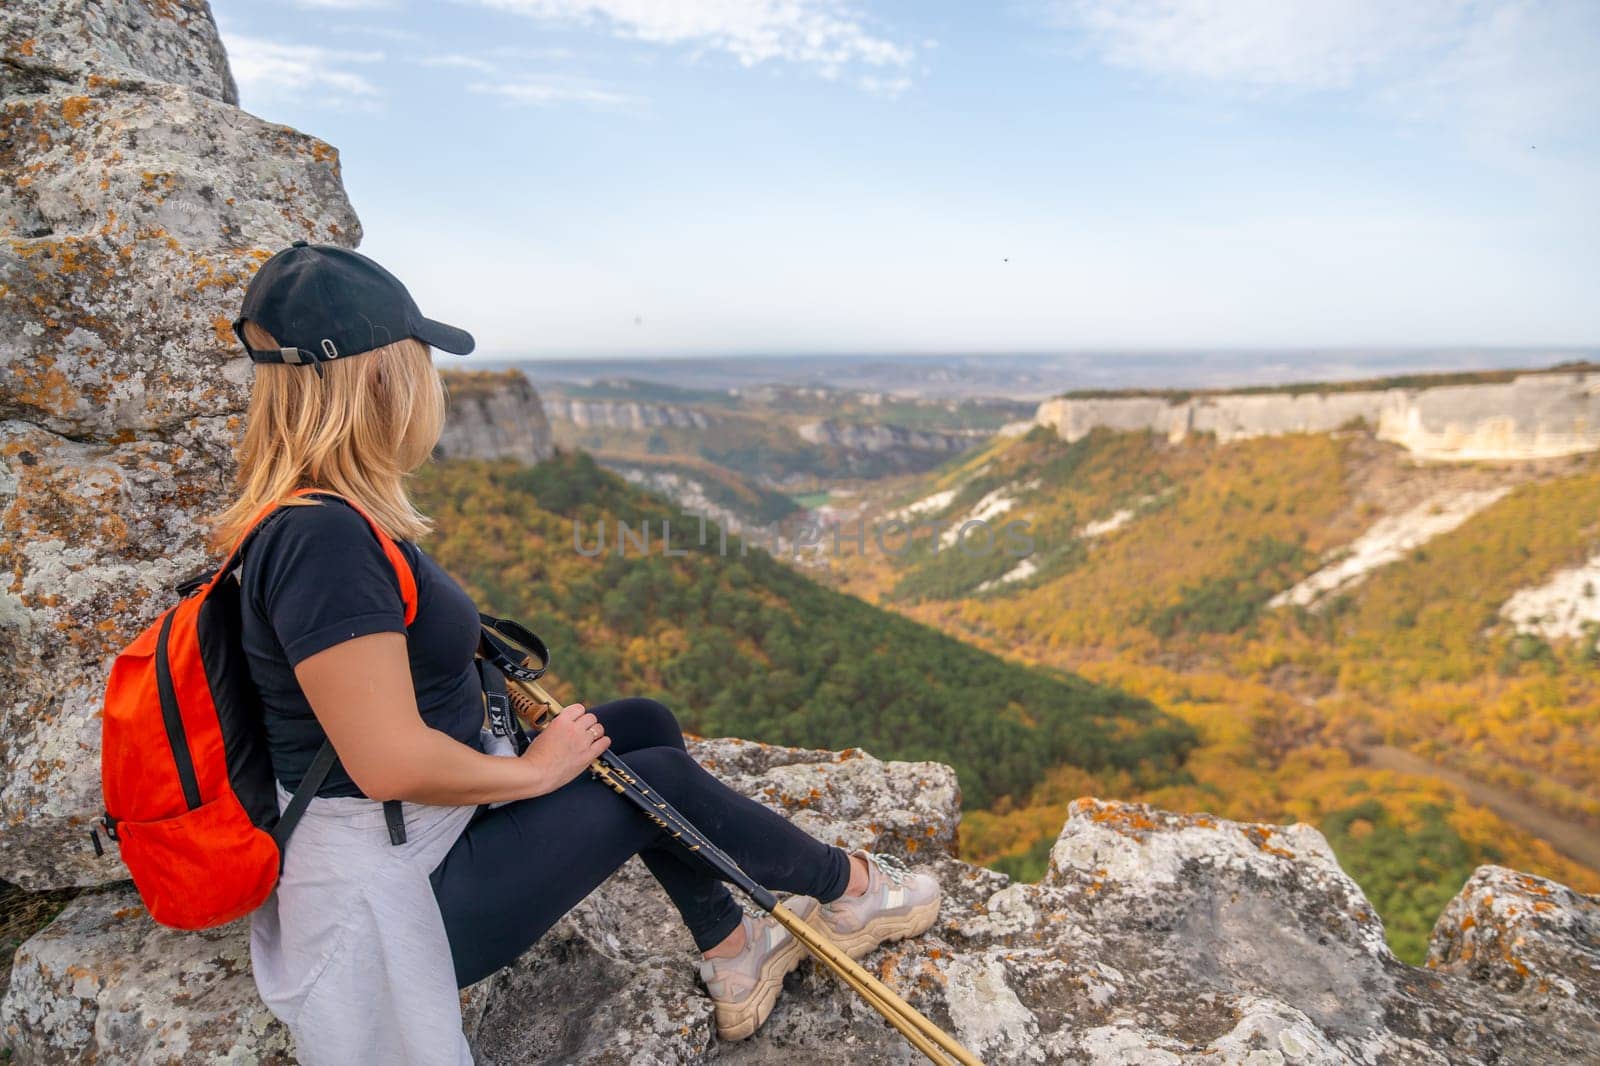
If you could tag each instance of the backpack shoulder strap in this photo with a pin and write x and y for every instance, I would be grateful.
(316, 774)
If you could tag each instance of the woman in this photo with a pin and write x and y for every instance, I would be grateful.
(487, 852)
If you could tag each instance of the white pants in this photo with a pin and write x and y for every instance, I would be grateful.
(349, 950)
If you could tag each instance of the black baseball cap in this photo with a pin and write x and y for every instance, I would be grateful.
(325, 302)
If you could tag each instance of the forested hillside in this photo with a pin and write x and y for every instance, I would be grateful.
(739, 644)
(1298, 599)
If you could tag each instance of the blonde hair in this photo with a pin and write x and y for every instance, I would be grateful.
(359, 430)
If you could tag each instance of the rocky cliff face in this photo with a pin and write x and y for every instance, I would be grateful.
(137, 201)
(1153, 938)
(874, 439)
(494, 416)
(685, 490)
(1533, 416)
(625, 414)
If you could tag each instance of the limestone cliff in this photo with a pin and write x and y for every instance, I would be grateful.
(1531, 416)
(875, 438)
(628, 415)
(493, 416)
(137, 201)
(1153, 938)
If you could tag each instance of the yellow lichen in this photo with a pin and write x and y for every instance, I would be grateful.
(73, 108)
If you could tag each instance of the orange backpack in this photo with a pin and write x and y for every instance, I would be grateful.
(189, 792)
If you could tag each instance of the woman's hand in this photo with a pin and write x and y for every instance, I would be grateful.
(563, 748)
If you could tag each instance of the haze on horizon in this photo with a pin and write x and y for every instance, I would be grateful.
(571, 178)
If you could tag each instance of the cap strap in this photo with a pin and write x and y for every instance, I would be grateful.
(292, 356)
(296, 356)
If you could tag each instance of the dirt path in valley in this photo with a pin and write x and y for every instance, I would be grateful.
(1573, 839)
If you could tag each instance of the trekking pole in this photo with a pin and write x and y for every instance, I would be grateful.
(515, 650)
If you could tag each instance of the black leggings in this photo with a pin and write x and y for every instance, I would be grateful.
(516, 869)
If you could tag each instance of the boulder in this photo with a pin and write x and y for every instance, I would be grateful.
(104, 983)
(137, 202)
(174, 41)
(1534, 940)
(1153, 938)
(493, 415)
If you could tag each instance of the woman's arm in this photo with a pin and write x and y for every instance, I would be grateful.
(360, 691)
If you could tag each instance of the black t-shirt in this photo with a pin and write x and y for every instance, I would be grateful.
(315, 576)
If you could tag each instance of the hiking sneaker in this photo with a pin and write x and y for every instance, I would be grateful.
(745, 986)
(896, 904)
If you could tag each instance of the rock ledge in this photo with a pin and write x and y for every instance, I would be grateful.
(1153, 938)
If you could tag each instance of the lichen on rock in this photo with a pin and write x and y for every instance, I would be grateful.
(1154, 937)
(138, 200)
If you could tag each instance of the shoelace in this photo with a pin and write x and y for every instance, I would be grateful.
(892, 868)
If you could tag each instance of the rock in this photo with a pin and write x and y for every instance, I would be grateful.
(104, 983)
(1249, 939)
(876, 449)
(1535, 415)
(493, 416)
(847, 798)
(138, 201)
(874, 438)
(625, 414)
(136, 219)
(692, 494)
(1524, 935)
(1153, 938)
(173, 41)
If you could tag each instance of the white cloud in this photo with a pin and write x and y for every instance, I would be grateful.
(392, 33)
(541, 54)
(482, 66)
(544, 93)
(826, 35)
(889, 87)
(1499, 69)
(272, 69)
(1305, 43)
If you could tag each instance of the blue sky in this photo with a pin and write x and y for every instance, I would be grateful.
(659, 177)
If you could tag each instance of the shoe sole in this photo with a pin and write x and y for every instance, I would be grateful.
(736, 1021)
(880, 930)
